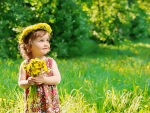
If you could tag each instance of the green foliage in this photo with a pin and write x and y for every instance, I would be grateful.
(68, 21)
(74, 23)
(70, 28)
(116, 20)
(4, 26)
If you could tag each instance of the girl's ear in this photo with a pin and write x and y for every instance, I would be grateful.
(27, 48)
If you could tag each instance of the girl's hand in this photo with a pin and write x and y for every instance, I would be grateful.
(39, 80)
(31, 80)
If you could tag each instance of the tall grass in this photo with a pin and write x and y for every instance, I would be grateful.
(115, 80)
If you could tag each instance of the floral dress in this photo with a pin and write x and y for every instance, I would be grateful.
(47, 96)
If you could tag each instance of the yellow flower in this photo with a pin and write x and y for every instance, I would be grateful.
(35, 67)
(45, 68)
(26, 31)
(35, 72)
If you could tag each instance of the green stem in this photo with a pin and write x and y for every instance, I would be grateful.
(32, 93)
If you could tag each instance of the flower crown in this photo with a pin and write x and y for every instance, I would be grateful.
(26, 31)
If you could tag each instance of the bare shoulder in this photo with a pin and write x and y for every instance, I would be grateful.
(49, 58)
(22, 70)
(23, 62)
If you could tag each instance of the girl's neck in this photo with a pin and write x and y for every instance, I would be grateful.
(40, 57)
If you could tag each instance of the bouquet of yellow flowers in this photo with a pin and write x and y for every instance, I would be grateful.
(34, 68)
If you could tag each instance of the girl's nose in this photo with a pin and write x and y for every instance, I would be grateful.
(46, 44)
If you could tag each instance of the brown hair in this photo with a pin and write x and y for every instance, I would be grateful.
(25, 47)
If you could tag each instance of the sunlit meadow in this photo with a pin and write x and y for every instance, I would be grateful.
(115, 79)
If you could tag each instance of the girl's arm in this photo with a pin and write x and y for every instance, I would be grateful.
(22, 82)
(52, 80)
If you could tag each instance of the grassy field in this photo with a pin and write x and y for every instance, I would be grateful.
(115, 79)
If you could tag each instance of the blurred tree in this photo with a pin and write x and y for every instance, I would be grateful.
(116, 20)
(74, 22)
(68, 21)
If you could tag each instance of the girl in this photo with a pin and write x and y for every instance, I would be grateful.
(34, 43)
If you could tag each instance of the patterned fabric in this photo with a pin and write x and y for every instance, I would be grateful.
(47, 97)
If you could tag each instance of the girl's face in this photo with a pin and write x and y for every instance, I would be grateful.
(40, 46)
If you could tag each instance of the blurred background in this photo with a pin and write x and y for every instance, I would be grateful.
(79, 26)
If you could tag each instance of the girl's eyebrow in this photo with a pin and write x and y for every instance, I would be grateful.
(38, 37)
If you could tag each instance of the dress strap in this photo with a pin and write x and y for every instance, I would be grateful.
(49, 61)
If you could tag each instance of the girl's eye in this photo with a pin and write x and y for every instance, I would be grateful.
(41, 40)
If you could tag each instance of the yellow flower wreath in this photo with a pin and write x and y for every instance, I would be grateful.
(27, 30)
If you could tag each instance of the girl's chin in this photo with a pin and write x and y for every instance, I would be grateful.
(45, 53)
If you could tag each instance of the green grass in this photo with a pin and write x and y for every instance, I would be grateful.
(113, 80)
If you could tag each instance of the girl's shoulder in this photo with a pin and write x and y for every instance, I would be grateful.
(24, 62)
(49, 58)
